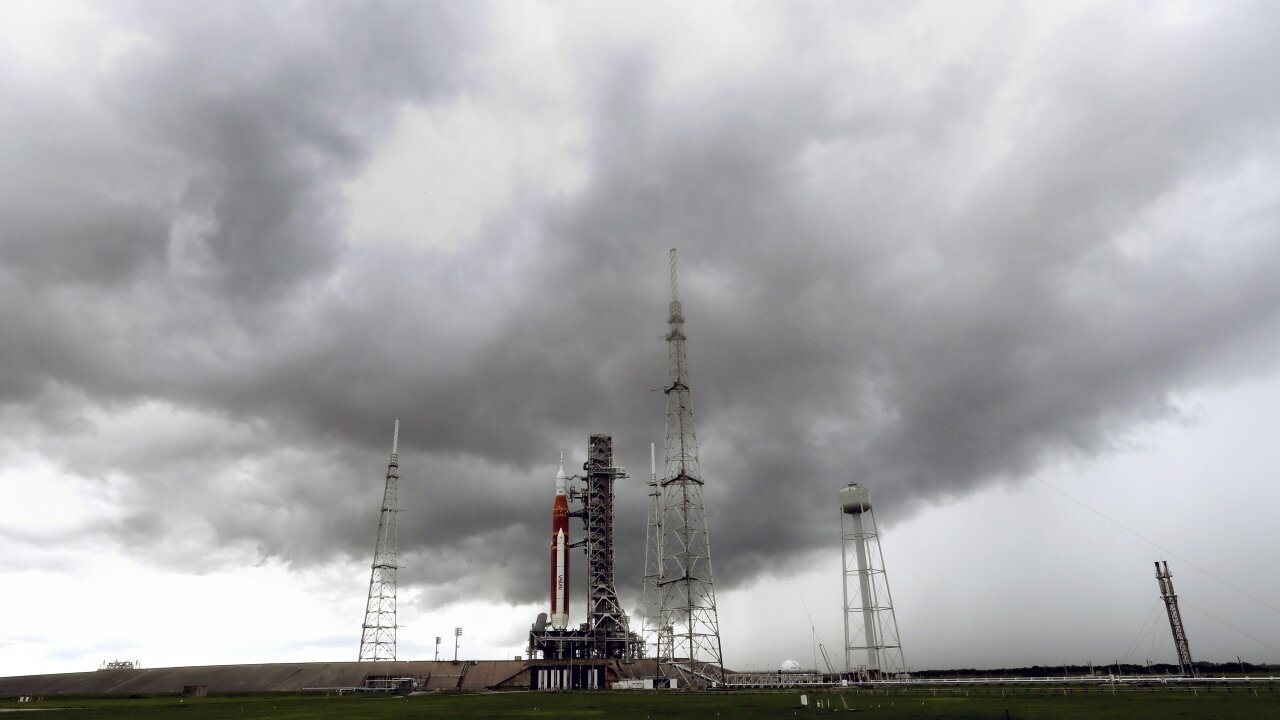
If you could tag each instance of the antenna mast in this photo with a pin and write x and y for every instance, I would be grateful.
(651, 621)
(688, 600)
(378, 633)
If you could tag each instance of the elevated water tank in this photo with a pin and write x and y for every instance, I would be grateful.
(855, 499)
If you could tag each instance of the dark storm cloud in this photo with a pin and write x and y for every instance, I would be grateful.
(923, 286)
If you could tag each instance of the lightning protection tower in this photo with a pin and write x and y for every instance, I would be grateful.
(688, 599)
(870, 627)
(378, 633)
(1165, 578)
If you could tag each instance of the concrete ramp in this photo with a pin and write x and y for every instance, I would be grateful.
(491, 673)
(273, 677)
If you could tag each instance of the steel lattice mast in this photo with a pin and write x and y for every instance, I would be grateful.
(688, 600)
(378, 633)
(1165, 578)
(604, 613)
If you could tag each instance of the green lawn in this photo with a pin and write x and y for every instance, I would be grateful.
(1239, 703)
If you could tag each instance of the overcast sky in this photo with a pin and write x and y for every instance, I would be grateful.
(1013, 266)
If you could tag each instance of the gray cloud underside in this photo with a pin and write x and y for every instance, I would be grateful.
(926, 286)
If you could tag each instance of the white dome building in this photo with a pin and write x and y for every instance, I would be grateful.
(790, 666)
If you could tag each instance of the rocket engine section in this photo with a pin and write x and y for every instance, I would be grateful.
(560, 553)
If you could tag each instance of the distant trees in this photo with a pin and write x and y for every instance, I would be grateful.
(1234, 667)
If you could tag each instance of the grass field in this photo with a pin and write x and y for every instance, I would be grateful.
(1238, 703)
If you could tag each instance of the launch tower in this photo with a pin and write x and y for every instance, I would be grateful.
(687, 613)
(605, 620)
(378, 633)
(605, 635)
(870, 627)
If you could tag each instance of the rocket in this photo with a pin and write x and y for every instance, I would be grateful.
(560, 552)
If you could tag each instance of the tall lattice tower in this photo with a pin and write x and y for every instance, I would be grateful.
(688, 599)
(604, 613)
(650, 601)
(378, 633)
(1165, 578)
(870, 626)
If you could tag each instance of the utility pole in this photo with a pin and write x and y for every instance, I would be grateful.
(650, 602)
(687, 590)
(378, 632)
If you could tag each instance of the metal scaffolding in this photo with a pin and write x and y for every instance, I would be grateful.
(686, 589)
(1165, 578)
(378, 633)
(604, 614)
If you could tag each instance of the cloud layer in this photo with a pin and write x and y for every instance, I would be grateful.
(920, 252)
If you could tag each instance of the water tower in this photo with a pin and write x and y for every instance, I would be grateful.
(870, 628)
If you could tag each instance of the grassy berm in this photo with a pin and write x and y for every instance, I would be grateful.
(564, 706)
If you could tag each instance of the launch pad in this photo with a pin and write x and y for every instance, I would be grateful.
(605, 635)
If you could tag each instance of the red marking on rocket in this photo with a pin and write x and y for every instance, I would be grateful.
(560, 553)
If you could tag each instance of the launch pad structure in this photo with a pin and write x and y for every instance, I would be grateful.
(578, 657)
(678, 608)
